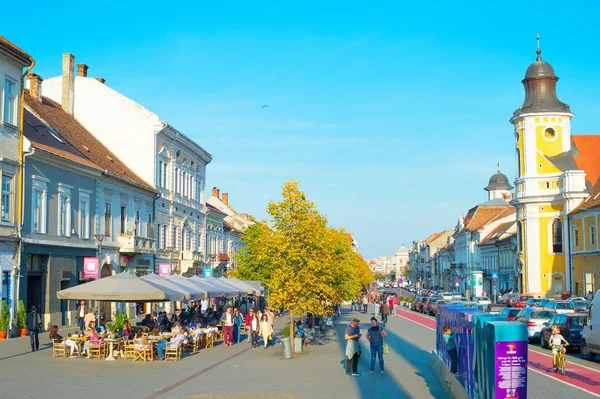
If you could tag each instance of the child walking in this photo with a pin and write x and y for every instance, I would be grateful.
(449, 337)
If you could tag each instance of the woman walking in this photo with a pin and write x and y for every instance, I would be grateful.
(265, 329)
(238, 320)
(248, 320)
(227, 321)
(255, 328)
(375, 335)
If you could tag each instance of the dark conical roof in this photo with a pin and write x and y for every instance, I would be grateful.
(498, 181)
(540, 89)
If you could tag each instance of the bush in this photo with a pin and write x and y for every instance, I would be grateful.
(286, 331)
(21, 315)
(4, 317)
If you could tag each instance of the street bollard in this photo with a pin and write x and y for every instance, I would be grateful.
(286, 348)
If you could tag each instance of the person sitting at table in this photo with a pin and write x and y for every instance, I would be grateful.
(155, 332)
(127, 332)
(58, 339)
(175, 329)
(148, 322)
(91, 338)
(165, 324)
(141, 341)
(175, 342)
(89, 317)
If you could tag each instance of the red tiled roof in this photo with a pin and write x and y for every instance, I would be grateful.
(501, 232)
(592, 201)
(481, 215)
(223, 258)
(44, 138)
(215, 210)
(588, 155)
(78, 137)
(15, 50)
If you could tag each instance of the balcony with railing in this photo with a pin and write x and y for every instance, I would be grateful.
(194, 256)
(132, 244)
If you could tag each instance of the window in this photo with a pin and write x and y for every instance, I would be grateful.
(137, 223)
(188, 242)
(123, 219)
(183, 239)
(6, 199)
(184, 178)
(38, 204)
(150, 228)
(163, 237)
(176, 188)
(576, 237)
(107, 219)
(557, 246)
(10, 93)
(592, 235)
(162, 174)
(84, 214)
(64, 210)
(159, 238)
(175, 237)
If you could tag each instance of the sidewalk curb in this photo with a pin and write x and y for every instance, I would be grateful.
(448, 381)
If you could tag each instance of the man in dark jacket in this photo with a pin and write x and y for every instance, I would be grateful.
(385, 311)
(33, 325)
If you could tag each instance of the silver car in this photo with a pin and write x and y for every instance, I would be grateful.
(534, 318)
(561, 306)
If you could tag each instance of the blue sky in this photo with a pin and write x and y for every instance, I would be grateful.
(392, 116)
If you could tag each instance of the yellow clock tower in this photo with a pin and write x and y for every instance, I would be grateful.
(548, 184)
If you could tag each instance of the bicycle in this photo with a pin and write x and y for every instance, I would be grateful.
(560, 358)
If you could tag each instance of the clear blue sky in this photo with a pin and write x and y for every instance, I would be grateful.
(392, 116)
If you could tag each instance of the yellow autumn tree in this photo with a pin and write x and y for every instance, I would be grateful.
(302, 261)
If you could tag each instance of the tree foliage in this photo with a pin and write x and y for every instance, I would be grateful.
(302, 261)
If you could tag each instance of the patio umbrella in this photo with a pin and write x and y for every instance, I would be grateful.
(257, 290)
(195, 291)
(122, 287)
(174, 292)
(228, 287)
(245, 289)
(213, 291)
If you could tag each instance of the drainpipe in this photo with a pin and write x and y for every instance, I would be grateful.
(20, 196)
(569, 268)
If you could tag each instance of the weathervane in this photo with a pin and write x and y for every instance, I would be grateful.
(539, 50)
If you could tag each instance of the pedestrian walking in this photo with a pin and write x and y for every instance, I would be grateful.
(385, 311)
(271, 318)
(365, 302)
(255, 329)
(248, 322)
(81, 316)
(266, 330)
(238, 320)
(227, 321)
(375, 335)
(34, 322)
(352, 335)
(590, 296)
(449, 337)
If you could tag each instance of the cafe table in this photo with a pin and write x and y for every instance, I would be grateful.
(112, 342)
(79, 341)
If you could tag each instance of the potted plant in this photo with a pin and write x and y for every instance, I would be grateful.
(4, 319)
(21, 319)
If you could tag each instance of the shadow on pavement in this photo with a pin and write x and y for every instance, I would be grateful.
(369, 386)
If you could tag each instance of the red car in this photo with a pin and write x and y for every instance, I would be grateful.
(521, 302)
(510, 313)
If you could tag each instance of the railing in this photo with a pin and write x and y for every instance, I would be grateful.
(131, 244)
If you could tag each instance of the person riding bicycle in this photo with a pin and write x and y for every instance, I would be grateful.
(555, 342)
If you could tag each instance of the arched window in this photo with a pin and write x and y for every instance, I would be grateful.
(557, 246)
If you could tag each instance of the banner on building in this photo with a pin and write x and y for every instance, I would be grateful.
(207, 272)
(91, 268)
(164, 269)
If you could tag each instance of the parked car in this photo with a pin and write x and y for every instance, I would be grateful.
(534, 318)
(494, 308)
(457, 300)
(590, 343)
(533, 302)
(545, 301)
(436, 306)
(510, 313)
(428, 307)
(484, 300)
(561, 306)
(522, 301)
(508, 299)
(577, 298)
(447, 296)
(581, 306)
(571, 327)
(421, 306)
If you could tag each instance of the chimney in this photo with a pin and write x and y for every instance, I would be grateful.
(215, 192)
(68, 83)
(35, 86)
(101, 80)
(226, 198)
(82, 70)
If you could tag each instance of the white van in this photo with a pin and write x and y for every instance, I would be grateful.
(590, 343)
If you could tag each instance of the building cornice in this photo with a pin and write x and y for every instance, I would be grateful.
(185, 142)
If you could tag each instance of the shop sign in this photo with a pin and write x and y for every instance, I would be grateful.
(91, 267)
(164, 269)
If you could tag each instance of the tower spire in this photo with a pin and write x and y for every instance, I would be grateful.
(539, 50)
(498, 166)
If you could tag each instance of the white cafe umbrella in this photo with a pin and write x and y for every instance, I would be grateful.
(195, 291)
(174, 292)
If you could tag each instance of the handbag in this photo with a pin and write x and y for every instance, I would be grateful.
(386, 348)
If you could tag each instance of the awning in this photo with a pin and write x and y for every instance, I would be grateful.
(239, 284)
(195, 291)
(213, 291)
(174, 292)
(122, 287)
(231, 289)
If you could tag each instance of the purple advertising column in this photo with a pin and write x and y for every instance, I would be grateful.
(510, 371)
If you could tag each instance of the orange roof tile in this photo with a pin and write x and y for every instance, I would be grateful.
(501, 232)
(481, 215)
(15, 50)
(587, 158)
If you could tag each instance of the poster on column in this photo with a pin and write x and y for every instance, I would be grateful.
(510, 370)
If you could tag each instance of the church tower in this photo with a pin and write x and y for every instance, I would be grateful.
(548, 184)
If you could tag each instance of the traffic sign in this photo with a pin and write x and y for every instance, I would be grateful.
(495, 275)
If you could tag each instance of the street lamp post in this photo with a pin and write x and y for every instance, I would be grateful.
(100, 239)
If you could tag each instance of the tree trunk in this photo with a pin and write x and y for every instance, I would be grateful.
(292, 331)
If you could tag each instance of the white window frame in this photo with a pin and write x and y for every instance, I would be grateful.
(84, 204)
(176, 182)
(9, 102)
(64, 191)
(108, 226)
(164, 236)
(39, 185)
(9, 202)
